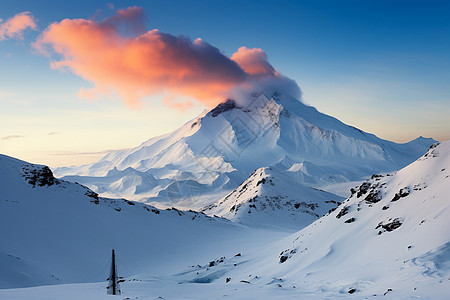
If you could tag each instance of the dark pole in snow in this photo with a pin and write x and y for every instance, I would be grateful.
(113, 287)
(113, 272)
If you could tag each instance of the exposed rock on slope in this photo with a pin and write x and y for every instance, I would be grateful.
(55, 231)
(220, 149)
(271, 198)
(370, 245)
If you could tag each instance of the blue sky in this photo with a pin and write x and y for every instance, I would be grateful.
(382, 66)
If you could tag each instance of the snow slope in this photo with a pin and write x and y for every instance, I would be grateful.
(208, 157)
(54, 231)
(391, 237)
(271, 198)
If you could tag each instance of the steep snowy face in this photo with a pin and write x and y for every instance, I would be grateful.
(53, 231)
(271, 198)
(390, 237)
(222, 147)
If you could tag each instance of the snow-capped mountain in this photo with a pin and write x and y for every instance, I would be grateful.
(54, 231)
(391, 237)
(272, 198)
(388, 239)
(207, 158)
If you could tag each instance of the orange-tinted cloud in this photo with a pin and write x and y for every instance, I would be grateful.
(14, 27)
(253, 61)
(120, 57)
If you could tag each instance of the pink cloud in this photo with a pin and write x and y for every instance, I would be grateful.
(122, 58)
(253, 61)
(14, 27)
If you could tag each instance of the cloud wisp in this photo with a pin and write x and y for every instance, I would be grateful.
(14, 27)
(11, 137)
(122, 58)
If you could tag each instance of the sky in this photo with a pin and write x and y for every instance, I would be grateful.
(80, 78)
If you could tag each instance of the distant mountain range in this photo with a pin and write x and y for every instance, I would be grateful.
(389, 237)
(222, 147)
(199, 164)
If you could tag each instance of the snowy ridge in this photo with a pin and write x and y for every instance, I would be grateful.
(389, 238)
(269, 197)
(221, 148)
(55, 231)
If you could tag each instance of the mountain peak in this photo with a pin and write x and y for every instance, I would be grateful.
(272, 198)
(241, 135)
(229, 104)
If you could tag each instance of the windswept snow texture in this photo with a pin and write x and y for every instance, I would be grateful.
(208, 157)
(392, 236)
(53, 231)
(271, 198)
(390, 239)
